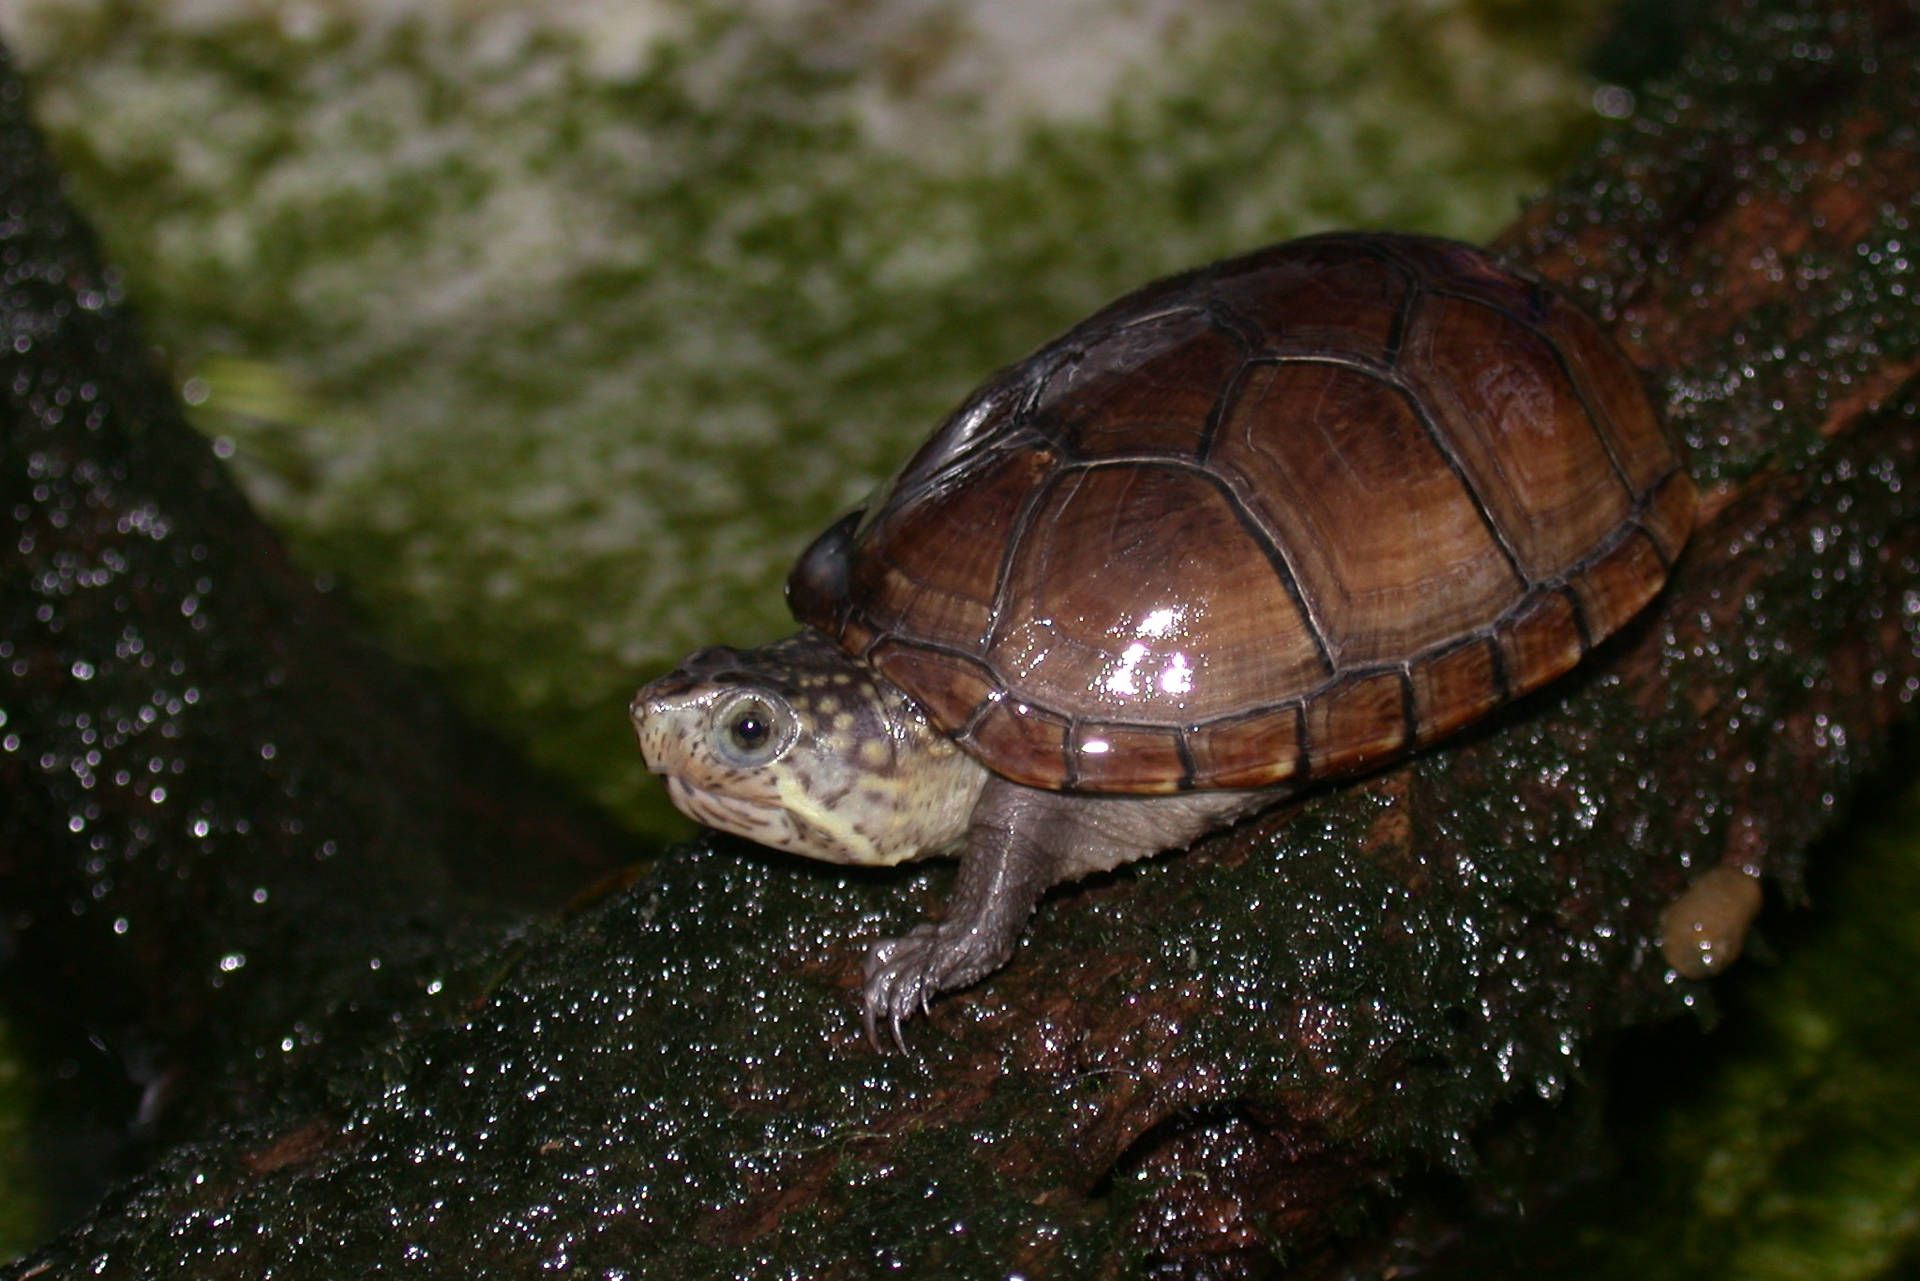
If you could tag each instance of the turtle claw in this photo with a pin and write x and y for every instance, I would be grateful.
(869, 1020)
(904, 975)
(871, 1017)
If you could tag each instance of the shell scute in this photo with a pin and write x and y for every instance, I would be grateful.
(1540, 640)
(1175, 645)
(1102, 752)
(1668, 514)
(1609, 387)
(1250, 750)
(1456, 687)
(1146, 389)
(1451, 269)
(1318, 301)
(1015, 731)
(1534, 460)
(1612, 589)
(1356, 443)
(942, 678)
(948, 584)
(1358, 722)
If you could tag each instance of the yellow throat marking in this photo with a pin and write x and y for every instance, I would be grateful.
(842, 824)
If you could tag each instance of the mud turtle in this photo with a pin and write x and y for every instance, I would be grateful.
(1267, 523)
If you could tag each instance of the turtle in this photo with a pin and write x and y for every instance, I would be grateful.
(1261, 526)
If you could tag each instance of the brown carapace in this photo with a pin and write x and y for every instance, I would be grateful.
(1281, 517)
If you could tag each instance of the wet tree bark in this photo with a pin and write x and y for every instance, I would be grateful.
(1208, 1062)
(223, 813)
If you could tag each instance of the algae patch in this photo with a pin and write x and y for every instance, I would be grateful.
(556, 336)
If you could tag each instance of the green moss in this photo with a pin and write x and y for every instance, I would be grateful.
(557, 336)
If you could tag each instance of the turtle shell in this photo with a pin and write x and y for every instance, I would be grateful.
(1282, 517)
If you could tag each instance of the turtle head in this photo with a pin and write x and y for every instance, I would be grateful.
(799, 746)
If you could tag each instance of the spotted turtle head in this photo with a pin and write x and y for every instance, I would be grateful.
(798, 746)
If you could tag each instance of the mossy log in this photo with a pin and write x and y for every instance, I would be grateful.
(1212, 1062)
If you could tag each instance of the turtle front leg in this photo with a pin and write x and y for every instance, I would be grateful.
(1021, 841)
(1009, 861)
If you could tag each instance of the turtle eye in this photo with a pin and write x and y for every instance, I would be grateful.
(751, 730)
